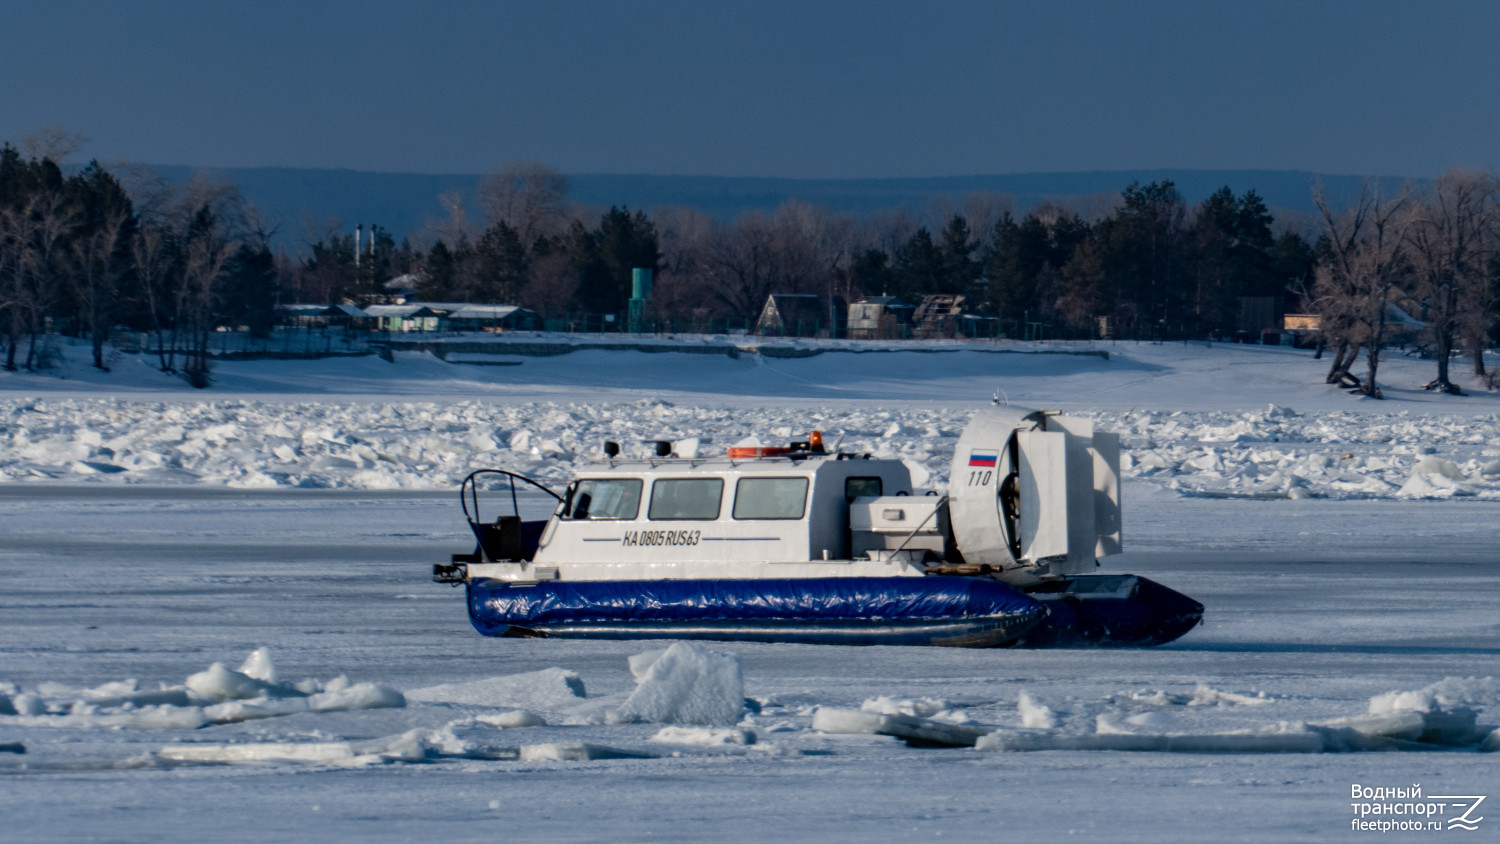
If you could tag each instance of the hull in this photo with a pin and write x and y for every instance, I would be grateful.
(1120, 610)
(945, 611)
(1093, 611)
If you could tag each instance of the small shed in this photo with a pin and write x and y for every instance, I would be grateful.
(879, 318)
(801, 315)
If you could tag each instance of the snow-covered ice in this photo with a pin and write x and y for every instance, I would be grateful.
(1344, 548)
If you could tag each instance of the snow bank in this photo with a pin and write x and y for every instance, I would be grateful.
(686, 684)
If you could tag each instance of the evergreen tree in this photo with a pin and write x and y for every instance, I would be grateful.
(1141, 246)
(502, 264)
(435, 282)
(604, 258)
(919, 267)
(959, 272)
(870, 273)
(250, 290)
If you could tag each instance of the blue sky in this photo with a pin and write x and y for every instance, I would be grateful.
(795, 89)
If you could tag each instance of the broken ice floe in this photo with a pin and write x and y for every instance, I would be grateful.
(1274, 453)
(407, 747)
(217, 695)
(918, 732)
(1427, 719)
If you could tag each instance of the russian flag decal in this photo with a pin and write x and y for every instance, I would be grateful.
(983, 459)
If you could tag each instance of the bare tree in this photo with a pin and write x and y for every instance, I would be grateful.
(54, 142)
(31, 245)
(528, 196)
(1450, 240)
(736, 262)
(99, 267)
(551, 284)
(206, 253)
(680, 287)
(152, 263)
(1367, 254)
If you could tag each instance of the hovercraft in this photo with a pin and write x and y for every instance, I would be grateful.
(803, 544)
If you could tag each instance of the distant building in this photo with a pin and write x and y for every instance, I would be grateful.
(404, 318)
(801, 315)
(492, 318)
(400, 289)
(321, 316)
(879, 318)
(948, 315)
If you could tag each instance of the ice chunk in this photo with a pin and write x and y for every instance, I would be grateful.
(6, 707)
(235, 711)
(922, 708)
(29, 704)
(163, 718)
(513, 719)
(1301, 741)
(1403, 724)
(1204, 696)
(642, 662)
(1150, 721)
(704, 736)
(1438, 466)
(689, 684)
(1455, 727)
(1035, 715)
(918, 732)
(1491, 743)
(407, 747)
(1448, 692)
(258, 666)
(547, 690)
(219, 683)
(575, 752)
(149, 718)
(359, 696)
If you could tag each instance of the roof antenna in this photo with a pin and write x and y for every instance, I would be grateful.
(995, 399)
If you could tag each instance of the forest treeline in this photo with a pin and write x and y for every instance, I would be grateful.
(87, 251)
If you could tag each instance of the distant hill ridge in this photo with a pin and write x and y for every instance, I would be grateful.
(403, 202)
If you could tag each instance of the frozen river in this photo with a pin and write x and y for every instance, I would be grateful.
(1313, 608)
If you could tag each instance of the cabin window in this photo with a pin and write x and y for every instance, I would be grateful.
(770, 498)
(686, 498)
(612, 498)
(861, 488)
